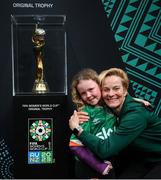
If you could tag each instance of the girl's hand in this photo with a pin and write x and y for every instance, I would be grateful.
(146, 103)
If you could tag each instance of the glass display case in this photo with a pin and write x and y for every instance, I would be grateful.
(39, 57)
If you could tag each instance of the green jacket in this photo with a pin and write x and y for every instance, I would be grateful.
(138, 128)
(101, 123)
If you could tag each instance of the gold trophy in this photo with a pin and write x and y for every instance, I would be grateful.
(38, 39)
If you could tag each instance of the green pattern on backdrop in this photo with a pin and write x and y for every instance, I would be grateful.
(137, 29)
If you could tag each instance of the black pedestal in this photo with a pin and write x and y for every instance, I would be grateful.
(28, 110)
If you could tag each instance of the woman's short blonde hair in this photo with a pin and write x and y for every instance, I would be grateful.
(115, 72)
(84, 74)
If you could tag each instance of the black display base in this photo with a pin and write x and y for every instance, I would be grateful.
(37, 107)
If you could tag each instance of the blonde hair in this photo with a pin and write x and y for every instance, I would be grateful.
(115, 72)
(84, 74)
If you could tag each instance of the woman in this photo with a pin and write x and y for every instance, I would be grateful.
(138, 130)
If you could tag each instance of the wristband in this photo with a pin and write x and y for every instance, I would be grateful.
(77, 130)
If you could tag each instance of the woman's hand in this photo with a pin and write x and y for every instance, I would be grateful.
(74, 121)
(77, 118)
(83, 116)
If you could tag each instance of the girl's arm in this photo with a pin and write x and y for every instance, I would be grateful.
(84, 154)
(146, 103)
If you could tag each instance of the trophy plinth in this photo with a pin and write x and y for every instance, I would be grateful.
(40, 87)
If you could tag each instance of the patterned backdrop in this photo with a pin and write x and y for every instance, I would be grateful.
(6, 162)
(136, 25)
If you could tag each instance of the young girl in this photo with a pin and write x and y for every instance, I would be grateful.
(86, 95)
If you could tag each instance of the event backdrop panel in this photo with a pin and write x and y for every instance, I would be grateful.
(100, 34)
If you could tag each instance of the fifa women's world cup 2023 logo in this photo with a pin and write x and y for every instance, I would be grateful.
(40, 141)
(38, 39)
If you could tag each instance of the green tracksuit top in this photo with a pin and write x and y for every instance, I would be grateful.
(137, 128)
(101, 123)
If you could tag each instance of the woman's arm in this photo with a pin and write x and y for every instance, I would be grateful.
(129, 128)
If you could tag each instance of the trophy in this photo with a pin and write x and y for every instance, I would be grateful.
(38, 38)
